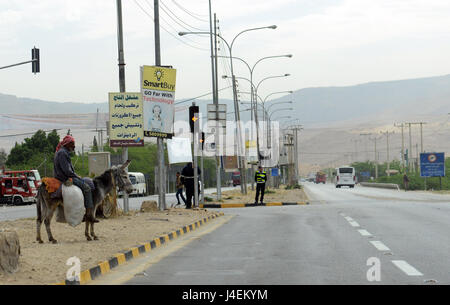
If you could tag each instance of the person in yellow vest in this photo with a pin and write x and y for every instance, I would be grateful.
(260, 179)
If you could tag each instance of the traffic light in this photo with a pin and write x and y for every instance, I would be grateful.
(202, 139)
(36, 64)
(193, 116)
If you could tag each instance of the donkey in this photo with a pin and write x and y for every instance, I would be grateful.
(46, 206)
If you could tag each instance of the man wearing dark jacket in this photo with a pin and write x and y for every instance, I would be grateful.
(63, 170)
(260, 179)
(187, 178)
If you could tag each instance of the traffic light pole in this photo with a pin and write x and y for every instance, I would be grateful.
(35, 61)
(195, 162)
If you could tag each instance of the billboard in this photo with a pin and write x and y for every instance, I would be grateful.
(126, 120)
(158, 93)
(432, 165)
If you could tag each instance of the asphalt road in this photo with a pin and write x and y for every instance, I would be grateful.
(28, 211)
(345, 236)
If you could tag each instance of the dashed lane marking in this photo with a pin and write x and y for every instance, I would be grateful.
(364, 233)
(380, 246)
(407, 268)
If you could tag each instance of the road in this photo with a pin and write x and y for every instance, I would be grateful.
(28, 211)
(345, 236)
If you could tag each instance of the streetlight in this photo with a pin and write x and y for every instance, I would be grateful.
(253, 100)
(242, 165)
(279, 103)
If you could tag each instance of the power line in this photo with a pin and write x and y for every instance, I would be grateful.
(194, 98)
(168, 32)
(162, 7)
(190, 13)
(25, 134)
(168, 24)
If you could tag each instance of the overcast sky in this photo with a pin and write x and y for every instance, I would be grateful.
(333, 43)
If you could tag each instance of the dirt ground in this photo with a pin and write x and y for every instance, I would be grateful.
(271, 195)
(46, 263)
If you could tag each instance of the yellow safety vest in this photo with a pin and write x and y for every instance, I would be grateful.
(261, 177)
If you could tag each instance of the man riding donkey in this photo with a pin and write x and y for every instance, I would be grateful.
(63, 170)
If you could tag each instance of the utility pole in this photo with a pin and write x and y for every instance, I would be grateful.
(355, 141)
(410, 138)
(160, 141)
(216, 102)
(387, 151)
(122, 85)
(403, 145)
(367, 152)
(296, 130)
(376, 156)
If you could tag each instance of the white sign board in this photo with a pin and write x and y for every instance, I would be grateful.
(179, 150)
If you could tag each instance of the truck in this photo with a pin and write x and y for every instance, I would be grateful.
(236, 178)
(17, 190)
(320, 178)
(32, 175)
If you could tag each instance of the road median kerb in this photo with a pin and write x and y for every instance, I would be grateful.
(127, 255)
(247, 205)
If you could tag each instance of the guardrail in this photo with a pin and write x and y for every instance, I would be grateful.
(392, 186)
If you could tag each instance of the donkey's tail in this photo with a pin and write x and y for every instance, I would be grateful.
(39, 201)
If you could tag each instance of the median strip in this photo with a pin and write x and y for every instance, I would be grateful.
(247, 205)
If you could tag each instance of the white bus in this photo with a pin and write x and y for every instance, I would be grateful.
(345, 176)
(139, 185)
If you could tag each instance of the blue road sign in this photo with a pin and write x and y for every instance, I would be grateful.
(432, 165)
(365, 174)
(274, 172)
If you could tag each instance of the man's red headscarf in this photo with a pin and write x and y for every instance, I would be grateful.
(67, 139)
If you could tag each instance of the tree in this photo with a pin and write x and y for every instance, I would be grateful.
(33, 151)
(3, 157)
(94, 144)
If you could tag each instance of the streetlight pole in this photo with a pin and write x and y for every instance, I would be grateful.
(241, 155)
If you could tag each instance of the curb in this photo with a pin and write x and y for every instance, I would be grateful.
(127, 255)
(247, 205)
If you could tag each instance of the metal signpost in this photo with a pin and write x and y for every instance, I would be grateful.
(216, 114)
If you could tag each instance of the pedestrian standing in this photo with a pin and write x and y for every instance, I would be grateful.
(260, 179)
(187, 178)
(405, 182)
(179, 189)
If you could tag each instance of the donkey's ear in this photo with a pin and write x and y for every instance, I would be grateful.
(125, 165)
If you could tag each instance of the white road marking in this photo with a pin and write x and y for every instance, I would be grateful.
(364, 233)
(407, 268)
(380, 246)
(348, 218)
(354, 224)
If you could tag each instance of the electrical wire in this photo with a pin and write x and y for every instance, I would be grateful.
(168, 32)
(192, 27)
(190, 13)
(174, 29)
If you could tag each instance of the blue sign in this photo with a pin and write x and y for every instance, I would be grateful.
(432, 165)
(274, 172)
(365, 174)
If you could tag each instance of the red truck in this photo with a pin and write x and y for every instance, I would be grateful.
(320, 178)
(236, 178)
(17, 190)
